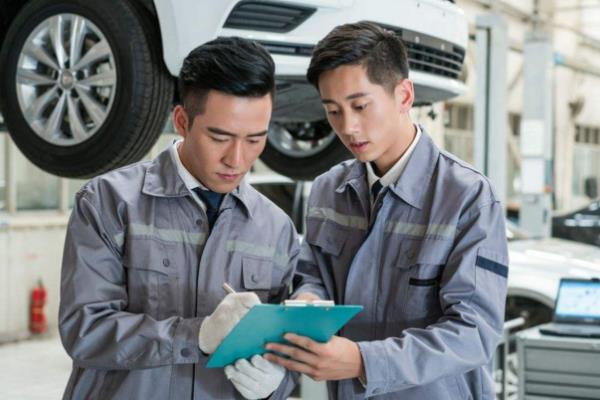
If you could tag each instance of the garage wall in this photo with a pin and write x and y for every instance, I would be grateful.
(576, 81)
(30, 249)
(3, 282)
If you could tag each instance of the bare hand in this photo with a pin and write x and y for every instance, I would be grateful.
(307, 296)
(337, 359)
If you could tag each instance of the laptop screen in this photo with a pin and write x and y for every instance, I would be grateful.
(578, 301)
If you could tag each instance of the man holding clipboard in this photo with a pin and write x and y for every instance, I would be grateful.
(149, 246)
(410, 232)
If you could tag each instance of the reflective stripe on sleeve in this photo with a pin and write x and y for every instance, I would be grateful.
(330, 214)
(168, 235)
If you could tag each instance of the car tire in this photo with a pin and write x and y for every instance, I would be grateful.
(112, 90)
(302, 151)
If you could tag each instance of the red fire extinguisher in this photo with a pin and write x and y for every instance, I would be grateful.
(37, 318)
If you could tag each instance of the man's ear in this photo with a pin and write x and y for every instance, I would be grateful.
(404, 93)
(180, 120)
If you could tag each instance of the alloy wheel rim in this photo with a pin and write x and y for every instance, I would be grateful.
(300, 140)
(66, 79)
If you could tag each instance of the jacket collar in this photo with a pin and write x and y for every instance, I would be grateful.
(246, 196)
(355, 176)
(413, 184)
(162, 179)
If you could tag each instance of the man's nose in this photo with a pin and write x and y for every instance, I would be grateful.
(234, 155)
(348, 125)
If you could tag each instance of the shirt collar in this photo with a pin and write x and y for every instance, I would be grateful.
(188, 179)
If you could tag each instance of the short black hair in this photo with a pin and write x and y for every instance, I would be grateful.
(231, 65)
(381, 51)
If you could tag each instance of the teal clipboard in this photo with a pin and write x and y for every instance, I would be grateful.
(267, 323)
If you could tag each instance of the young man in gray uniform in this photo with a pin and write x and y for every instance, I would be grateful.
(150, 245)
(410, 232)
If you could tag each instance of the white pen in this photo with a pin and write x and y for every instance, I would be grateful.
(227, 287)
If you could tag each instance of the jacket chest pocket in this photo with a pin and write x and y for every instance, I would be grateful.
(257, 277)
(419, 267)
(244, 273)
(153, 278)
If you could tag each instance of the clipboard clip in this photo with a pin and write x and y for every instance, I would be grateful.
(304, 303)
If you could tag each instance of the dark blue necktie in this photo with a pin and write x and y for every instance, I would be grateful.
(376, 188)
(212, 200)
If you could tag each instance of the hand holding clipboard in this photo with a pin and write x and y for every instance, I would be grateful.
(267, 323)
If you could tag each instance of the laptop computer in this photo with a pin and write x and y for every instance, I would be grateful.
(577, 309)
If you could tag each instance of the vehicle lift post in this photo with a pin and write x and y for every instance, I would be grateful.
(536, 135)
(490, 101)
(491, 118)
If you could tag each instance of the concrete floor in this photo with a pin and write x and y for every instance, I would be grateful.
(36, 369)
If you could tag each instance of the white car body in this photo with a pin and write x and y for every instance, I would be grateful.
(185, 24)
(57, 128)
(536, 267)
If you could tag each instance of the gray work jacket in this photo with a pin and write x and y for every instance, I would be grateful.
(140, 273)
(429, 265)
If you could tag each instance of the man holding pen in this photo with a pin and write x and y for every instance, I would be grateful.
(150, 245)
(410, 232)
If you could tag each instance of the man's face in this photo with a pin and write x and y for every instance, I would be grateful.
(224, 141)
(366, 117)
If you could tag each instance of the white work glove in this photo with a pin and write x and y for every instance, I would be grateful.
(227, 314)
(256, 379)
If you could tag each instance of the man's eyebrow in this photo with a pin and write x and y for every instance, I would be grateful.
(226, 133)
(349, 97)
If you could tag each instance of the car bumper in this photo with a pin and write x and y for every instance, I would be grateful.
(435, 31)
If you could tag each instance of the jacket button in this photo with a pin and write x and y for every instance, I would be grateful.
(254, 278)
(166, 262)
(199, 222)
(185, 352)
